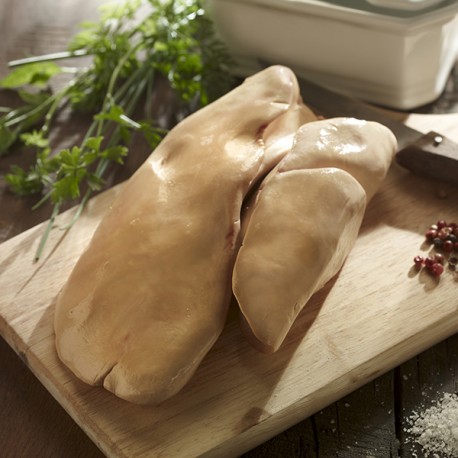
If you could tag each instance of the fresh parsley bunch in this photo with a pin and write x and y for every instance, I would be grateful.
(172, 39)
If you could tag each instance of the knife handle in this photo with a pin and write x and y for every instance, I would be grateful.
(431, 156)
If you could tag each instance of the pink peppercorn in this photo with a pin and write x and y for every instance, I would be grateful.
(441, 223)
(439, 258)
(431, 234)
(436, 269)
(444, 233)
(418, 261)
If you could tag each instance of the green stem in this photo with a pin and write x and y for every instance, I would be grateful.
(48, 57)
(112, 82)
(54, 106)
(29, 114)
(45, 235)
(79, 210)
(13, 114)
(42, 200)
(129, 83)
(132, 101)
(89, 132)
(149, 95)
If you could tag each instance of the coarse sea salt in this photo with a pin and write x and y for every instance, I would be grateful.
(436, 428)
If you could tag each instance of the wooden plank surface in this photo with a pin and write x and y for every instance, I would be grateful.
(365, 423)
(376, 314)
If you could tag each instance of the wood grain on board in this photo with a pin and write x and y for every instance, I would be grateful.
(375, 314)
(368, 422)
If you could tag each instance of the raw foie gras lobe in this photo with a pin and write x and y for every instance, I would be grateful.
(149, 296)
(364, 149)
(305, 221)
(278, 138)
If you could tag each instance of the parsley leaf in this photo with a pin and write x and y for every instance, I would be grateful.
(171, 40)
(37, 73)
(35, 138)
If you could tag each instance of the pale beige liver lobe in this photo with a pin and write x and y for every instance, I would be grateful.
(304, 222)
(149, 297)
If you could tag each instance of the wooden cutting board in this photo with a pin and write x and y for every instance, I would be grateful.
(376, 313)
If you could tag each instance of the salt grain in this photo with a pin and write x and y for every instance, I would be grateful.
(436, 428)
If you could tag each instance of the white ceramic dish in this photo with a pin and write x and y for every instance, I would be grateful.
(400, 60)
(405, 4)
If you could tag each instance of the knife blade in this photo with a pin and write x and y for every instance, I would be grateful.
(430, 155)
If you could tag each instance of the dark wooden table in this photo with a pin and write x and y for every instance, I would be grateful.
(368, 423)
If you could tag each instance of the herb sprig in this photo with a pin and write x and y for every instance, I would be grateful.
(173, 39)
